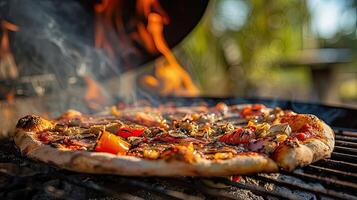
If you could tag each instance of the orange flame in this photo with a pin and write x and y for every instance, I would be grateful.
(8, 68)
(169, 77)
(174, 79)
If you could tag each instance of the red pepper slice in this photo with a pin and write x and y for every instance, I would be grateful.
(111, 143)
(236, 178)
(255, 109)
(126, 132)
(300, 136)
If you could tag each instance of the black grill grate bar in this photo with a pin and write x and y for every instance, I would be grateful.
(346, 138)
(255, 189)
(305, 187)
(348, 133)
(322, 171)
(346, 144)
(335, 164)
(328, 182)
(221, 193)
(344, 157)
(345, 150)
(127, 182)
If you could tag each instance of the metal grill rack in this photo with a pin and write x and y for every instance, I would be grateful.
(333, 178)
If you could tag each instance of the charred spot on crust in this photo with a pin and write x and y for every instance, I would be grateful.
(292, 142)
(28, 122)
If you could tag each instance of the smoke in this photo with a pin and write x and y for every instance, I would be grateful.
(56, 37)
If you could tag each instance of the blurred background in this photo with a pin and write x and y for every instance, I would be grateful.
(296, 49)
(88, 55)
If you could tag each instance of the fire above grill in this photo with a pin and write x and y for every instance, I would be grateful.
(333, 178)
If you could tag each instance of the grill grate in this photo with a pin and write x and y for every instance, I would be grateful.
(333, 178)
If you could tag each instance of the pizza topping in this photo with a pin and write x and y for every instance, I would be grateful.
(302, 136)
(281, 138)
(44, 137)
(292, 142)
(236, 178)
(252, 110)
(180, 152)
(264, 145)
(132, 131)
(257, 144)
(222, 107)
(113, 127)
(217, 133)
(72, 131)
(238, 136)
(74, 144)
(204, 131)
(269, 147)
(222, 128)
(186, 126)
(152, 132)
(207, 118)
(111, 143)
(223, 156)
(273, 115)
(174, 137)
(261, 129)
(276, 129)
(151, 154)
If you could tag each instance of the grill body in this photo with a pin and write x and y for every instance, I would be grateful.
(332, 178)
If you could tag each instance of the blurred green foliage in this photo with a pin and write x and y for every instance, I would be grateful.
(273, 30)
(237, 47)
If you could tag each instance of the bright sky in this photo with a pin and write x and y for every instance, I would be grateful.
(327, 16)
(330, 16)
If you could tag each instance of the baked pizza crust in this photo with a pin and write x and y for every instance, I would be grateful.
(105, 163)
(291, 156)
(287, 156)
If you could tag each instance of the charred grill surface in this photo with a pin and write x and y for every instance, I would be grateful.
(333, 178)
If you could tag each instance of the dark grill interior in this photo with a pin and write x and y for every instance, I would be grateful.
(334, 178)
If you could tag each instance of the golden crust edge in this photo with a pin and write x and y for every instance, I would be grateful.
(289, 158)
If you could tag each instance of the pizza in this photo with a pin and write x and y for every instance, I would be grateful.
(171, 140)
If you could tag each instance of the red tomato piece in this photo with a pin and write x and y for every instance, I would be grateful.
(300, 136)
(126, 132)
(236, 178)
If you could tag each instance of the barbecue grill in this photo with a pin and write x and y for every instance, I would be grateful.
(332, 178)
(23, 178)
